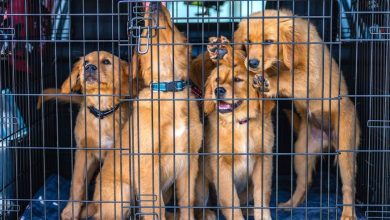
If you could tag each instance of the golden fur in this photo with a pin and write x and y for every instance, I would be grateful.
(168, 125)
(219, 139)
(113, 80)
(207, 61)
(323, 82)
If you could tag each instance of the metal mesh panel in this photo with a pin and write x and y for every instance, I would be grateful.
(47, 148)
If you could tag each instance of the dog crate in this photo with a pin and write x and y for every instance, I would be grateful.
(41, 40)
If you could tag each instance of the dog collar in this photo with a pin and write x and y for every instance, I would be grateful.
(196, 90)
(102, 114)
(174, 86)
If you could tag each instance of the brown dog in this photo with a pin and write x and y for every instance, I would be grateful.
(215, 55)
(322, 82)
(104, 78)
(159, 145)
(252, 136)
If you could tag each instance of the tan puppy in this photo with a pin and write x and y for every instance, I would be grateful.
(252, 135)
(215, 55)
(98, 73)
(167, 135)
(322, 82)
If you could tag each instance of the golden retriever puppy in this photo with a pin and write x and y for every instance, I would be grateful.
(160, 143)
(295, 58)
(217, 48)
(239, 140)
(104, 78)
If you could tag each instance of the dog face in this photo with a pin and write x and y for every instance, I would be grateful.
(263, 37)
(166, 53)
(227, 83)
(98, 72)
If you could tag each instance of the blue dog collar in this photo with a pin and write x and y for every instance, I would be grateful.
(174, 86)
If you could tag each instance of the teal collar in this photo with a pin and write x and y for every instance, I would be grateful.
(174, 86)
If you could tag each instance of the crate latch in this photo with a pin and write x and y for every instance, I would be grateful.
(136, 27)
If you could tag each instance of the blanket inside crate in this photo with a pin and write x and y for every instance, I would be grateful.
(49, 201)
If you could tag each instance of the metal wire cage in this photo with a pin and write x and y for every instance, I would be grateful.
(40, 41)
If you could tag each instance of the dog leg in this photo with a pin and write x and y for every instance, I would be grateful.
(150, 196)
(113, 189)
(304, 166)
(84, 167)
(227, 193)
(262, 183)
(202, 190)
(186, 188)
(246, 197)
(347, 162)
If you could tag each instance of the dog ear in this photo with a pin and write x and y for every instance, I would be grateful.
(209, 105)
(72, 83)
(134, 65)
(292, 37)
(124, 67)
(240, 36)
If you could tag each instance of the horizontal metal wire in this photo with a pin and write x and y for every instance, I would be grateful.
(55, 148)
(173, 18)
(361, 56)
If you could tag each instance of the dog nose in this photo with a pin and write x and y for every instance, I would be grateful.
(254, 63)
(90, 68)
(220, 92)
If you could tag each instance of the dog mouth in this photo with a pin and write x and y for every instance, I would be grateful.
(255, 70)
(224, 107)
(91, 80)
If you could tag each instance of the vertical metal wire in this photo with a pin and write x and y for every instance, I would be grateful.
(322, 103)
(371, 74)
(85, 109)
(172, 44)
(203, 115)
(189, 155)
(307, 107)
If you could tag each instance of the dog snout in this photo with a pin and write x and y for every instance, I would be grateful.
(220, 92)
(90, 69)
(254, 63)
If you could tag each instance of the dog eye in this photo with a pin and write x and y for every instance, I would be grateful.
(268, 41)
(236, 79)
(86, 63)
(106, 62)
(217, 79)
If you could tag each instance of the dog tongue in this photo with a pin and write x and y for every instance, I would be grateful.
(224, 105)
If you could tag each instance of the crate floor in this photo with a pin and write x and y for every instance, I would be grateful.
(45, 203)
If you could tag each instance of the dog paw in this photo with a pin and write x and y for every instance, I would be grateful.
(286, 205)
(70, 212)
(217, 47)
(206, 215)
(260, 83)
(347, 215)
(263, 214)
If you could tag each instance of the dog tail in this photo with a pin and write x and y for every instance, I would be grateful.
(88, 211)
(53, 91)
